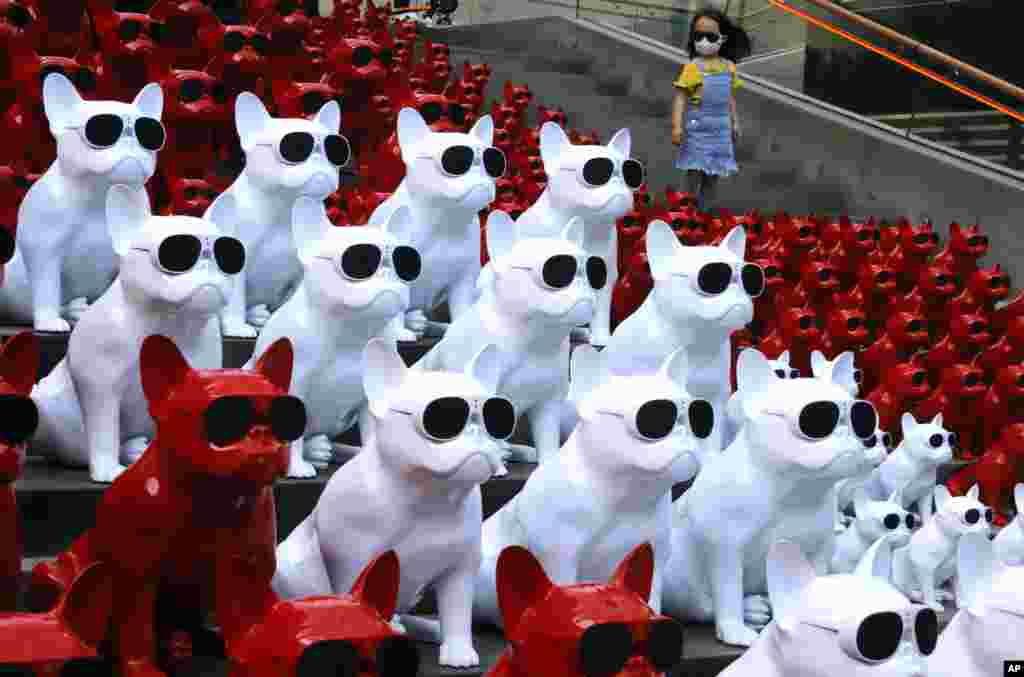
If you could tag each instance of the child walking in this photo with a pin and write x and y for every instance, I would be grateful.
(705, 101)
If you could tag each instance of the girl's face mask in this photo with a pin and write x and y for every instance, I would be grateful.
(708, 44)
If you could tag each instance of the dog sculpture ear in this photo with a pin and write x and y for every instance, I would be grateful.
(329, 116)
(412, 129)
(877, 561)
(662, 247)
(522, 583)
(483, 129)
(275, 364)
(553, 142)
(162, 368)
(60, 100)
(383, 373)
(636, 572)
(587, 369)
(736, 242)
(1018, 497)
(942, 496)
(150, 100)
(937, 420)
(251, 118)
(753, 373)
(501, 234)
(621, 142)
(486, 367)
(861, 503)
(19, 361)
(377, 586)
(973, 492)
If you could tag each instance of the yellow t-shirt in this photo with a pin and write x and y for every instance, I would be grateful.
(691, 80)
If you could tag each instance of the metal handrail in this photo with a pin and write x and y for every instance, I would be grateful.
(914, 46)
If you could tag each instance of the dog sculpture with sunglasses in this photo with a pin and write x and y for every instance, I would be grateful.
(583, 630)
(177, 274)
(775, 481)
(449, 178)
(701, 295)
(541, 288)
(594, 183)
(285, 158)
(874, 520)
(853, 624)
(988, 630)
(64, 256)
(432, 439)
(356, 280)
(609, 486)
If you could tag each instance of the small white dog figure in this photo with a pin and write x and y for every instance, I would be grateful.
(929, 560)
(449, 178)
(596, 184)
(414, 488)
(356, 281)
(609, 488)
(852, 624)
(1009, 542)
(540, 289)
(914, 464)
(988, 629)
(284, 158)
(874, 519)
(821, 364)
(64, 258)
(701, 296)
(177, 274)
(775, 482)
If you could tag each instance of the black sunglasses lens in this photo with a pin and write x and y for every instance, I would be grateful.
(386, 57)
(879, 635)
(863, 419)
(656, 419)
(714, 278)
(926, 631)
(633, 173)
(936, 441)
(597, 272)
(229, 254)
(360, 261)
(702, 418)
(260, 43)
(972, 516)
(854, 323)
(604, 649)
(7, 245)
(918, 378)
(156, 31)
(190, 90)
(914, 326)
(598, 171)
(86, 80)
(499, 418)
(233, 42)
(296, 147)
(794, 373)
(887, 440)
(892, 521)
(445, 417)
(559, 271)
(871, 442)
(287, 418)
(431, 112)
(228, 419)
(179, 253)
(781, 373)
(19, 16)
(752, 276)
(921, 238)
(665, 645)
(337, 150)
(819, 419)
(219, 94)
(311, 102)
(20, 418)
(457, 114)
(331, 657)
(104, 130)
(45, 72)
(494, 162)
(150, 133)
(129, 31)
(397, 657)
(910, 520)
(988, 515)
(285, 7)
(407, 263)
(456, 160)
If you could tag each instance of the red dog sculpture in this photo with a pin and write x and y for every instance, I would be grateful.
(903, 386)
(968, 335)
(914, 245)
(798, 330)
(190, 32)
(903, 335)
(984, 288)
(583, 629)
(996, 472)
(1003, 403)
(958, 398)
(1008, 349)
(965, 247)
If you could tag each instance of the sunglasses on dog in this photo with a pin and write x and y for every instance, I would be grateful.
(84, 79)
(294, 148)
(229, 419)
(559, 271)
(714, 278)
(362, 261)
(106, 129)
(872, 441)
(193, 89)
(782, 373)
(433, 111)
(598, 171)
(394, 657)
(20, 419)
(458, 160)
(178, 254)
(973, 516)
(605, 648)
(817, 420)
(894, 520)
(362, 56)
(876, 638)
(236, 41)
(656, 419)
(936, 440)
(444, 419)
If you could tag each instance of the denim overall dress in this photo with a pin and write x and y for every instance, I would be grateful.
(707, 145)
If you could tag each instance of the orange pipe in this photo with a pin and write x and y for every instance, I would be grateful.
(928, 73)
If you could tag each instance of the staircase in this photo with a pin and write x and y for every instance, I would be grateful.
(987, 134)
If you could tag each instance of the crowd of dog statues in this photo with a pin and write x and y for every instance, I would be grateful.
(590, 567)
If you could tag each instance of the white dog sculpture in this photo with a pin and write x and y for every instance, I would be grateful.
(843, 624)
(609, 488)
(929, 560)
(874, 520)
(1009, 542)
(414, 488)
(177, 274)
(64, 258)
(989, 627)
(540, 289)
(356, 281)
(775, 482)
(284, 158)
(449, 178)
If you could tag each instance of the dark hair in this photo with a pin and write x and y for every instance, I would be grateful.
(737, 42)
